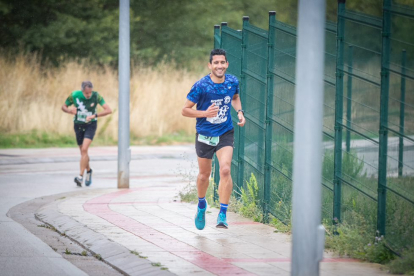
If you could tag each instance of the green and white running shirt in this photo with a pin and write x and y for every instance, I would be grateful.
(85, 107)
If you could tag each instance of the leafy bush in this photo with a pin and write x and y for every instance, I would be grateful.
(280, 226)
(250, 200)
(358, 241)
(403, 264)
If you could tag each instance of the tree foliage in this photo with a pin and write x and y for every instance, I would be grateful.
(179, 30)
(61, 29)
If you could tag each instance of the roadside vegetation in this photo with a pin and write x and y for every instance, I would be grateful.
(31, 97)
(356, 240)
(36, 139)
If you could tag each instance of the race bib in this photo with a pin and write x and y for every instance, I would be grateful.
(81, 116)
(209, 140)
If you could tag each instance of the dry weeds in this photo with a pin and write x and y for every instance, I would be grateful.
(31, 97)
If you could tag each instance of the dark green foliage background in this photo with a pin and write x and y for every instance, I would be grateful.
(161, 30)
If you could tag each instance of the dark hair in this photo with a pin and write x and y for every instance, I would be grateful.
(217, 52)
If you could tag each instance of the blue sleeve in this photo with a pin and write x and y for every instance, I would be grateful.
(235, 82)
(194, 94)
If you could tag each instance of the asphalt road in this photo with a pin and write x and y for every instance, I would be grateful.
(33, 174)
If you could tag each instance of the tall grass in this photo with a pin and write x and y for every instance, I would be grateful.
(31, 97)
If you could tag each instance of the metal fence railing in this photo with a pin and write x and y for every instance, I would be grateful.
(368, 127)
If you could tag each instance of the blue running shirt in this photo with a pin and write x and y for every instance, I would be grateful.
(204, 93)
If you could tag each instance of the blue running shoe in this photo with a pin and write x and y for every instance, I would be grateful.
(200, 218)
(88, 180)
(222, 221)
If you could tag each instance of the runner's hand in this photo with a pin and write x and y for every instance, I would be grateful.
(242, 120)
(73, 111)
(212, 111)
(89, 118)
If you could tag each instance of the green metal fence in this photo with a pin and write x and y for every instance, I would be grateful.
(368, 127)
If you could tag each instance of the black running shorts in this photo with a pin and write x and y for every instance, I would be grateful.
(85, 131)
(207, 151)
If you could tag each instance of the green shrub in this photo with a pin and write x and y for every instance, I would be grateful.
(280, 226)
(358, 241)
(249, 199)
(403, 264)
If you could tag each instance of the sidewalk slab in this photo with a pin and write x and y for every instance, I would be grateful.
(111, 252)
(150, 221)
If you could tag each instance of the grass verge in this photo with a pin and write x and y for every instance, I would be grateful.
(36, 139)
(41, 139)
(357, 241)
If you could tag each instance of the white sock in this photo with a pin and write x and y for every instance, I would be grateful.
(80, 176)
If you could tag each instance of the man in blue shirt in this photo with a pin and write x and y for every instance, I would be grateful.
(214, 95)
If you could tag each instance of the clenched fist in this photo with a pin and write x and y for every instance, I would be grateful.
(212, 111)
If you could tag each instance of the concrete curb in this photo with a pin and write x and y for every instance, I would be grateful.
(113, 254)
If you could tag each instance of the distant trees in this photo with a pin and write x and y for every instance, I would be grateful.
(179, 30)
(61, 29)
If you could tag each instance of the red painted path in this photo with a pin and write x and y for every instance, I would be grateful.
(99, 206)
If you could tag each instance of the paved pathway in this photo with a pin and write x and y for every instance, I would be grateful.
(148, 222)
(151, 221)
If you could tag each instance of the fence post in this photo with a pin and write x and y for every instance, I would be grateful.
(402, 111)
(124, 151)
(349, 100)
(217, 37)
(216, 169)
(240, 177)
(307, 231)
(339, 111)
(383, 131)
(269, 112)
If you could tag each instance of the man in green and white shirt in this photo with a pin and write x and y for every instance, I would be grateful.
(85, 103)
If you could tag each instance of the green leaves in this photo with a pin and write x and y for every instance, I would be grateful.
(162, 30)
(61, 29)
(179, 31)
(249, 200)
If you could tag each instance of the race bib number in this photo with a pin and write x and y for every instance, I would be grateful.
(81, 116)
(209, 140)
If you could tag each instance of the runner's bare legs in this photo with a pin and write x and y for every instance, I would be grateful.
(87, 166)
(225, 189)
(203, 178)
(84, 162)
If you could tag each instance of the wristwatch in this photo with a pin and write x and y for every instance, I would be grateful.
(240, 110)
(96, 115)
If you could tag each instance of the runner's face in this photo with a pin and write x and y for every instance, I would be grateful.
(87, 92)
(218, 66)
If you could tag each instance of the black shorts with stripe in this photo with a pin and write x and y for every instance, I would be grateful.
(206, 151)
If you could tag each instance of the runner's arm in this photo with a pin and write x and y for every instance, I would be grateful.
(236, 103)
(107, 110)
(69, 110)
(188, 111)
